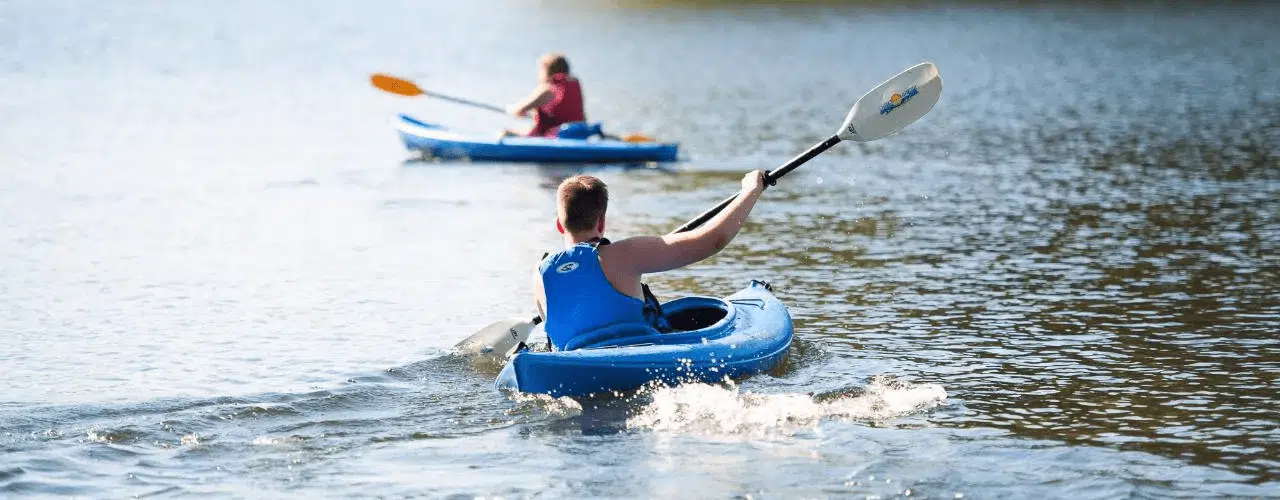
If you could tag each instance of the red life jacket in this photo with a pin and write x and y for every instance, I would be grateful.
(565, 107)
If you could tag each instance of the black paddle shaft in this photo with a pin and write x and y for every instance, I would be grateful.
(769, 178)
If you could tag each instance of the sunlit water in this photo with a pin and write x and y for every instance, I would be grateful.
(219, 275)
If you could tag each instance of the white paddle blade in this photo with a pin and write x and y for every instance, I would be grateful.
(894, 104)
(497, 339)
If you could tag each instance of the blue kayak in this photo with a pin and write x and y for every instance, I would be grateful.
(435, 141)
(746, 333)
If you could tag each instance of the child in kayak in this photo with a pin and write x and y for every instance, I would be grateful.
(594, 283)
(556, 100)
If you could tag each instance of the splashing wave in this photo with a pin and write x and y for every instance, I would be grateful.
(725, 410)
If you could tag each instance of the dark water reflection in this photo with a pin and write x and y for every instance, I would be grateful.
(1116, 286)
(1127, 297)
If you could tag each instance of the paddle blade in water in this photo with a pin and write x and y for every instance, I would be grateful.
(894, 104)
(497, 339)
(395, 85)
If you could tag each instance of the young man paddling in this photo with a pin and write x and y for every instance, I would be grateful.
(556, 100)
(594, 283)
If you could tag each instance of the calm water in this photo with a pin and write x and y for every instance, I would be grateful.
(220, 276)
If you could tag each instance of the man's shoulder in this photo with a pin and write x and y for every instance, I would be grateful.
(619, 258)
(622, 244)
(630, 248)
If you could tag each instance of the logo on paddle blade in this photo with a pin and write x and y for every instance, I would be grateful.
(898, 99)
(567, 267)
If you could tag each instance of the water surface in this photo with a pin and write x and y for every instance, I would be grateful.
(221, 275)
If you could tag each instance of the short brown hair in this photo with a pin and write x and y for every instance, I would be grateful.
(556, 64)
(582, 201)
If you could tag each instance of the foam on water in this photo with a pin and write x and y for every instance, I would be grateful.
(726, 410)
(94, 435)
(552, 406)
(190, 440)
(97, 434)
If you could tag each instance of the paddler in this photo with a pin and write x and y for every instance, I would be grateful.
(594, 283)
(556, 100)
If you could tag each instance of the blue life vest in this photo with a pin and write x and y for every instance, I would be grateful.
(579, 130)
(581, 299)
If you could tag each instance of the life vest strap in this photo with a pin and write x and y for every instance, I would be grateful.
(653, 311)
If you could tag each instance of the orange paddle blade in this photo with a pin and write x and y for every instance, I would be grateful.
(395, 85)
(638, 138)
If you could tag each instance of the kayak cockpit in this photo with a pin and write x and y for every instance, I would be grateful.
(692, 320)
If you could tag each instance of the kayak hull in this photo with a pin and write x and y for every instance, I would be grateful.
(746, 333)
(435, 141)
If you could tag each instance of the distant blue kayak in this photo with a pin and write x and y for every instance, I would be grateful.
(746, 333)
(435, 141)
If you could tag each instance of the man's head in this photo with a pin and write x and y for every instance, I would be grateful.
(552, 64)
(581, 201)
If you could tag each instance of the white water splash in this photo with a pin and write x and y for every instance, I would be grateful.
(266, 441)
(95, 435)
(724, 410)
(553, 406)
(190, 440)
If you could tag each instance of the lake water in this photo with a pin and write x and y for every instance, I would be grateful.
(220, 275)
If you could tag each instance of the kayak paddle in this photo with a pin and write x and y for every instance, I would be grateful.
(400, 86)
(883, 111)
(498, 338)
